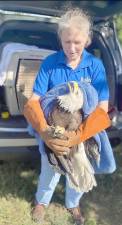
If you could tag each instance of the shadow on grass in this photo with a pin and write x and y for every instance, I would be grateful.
(19, 179)
(104, 203)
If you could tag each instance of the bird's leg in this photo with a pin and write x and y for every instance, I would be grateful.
(58, 132)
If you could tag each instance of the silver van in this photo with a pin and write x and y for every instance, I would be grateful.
(27, 36)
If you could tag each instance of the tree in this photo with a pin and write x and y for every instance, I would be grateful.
(118, 21)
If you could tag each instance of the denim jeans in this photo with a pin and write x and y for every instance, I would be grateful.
(49, 178)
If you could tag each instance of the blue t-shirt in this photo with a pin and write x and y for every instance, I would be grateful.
(55, 70)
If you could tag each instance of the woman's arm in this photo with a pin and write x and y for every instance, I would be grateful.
(35, 116)
(97, 121)
(104, 105)
(34, 97)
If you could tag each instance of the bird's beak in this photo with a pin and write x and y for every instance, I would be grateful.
(73, 87)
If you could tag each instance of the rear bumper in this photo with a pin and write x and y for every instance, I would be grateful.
(21, 146)
(17, 138)
(17, 142)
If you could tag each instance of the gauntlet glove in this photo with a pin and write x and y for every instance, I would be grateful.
(97, 121)
(34, 115)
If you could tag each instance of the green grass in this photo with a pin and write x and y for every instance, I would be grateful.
(18, 181)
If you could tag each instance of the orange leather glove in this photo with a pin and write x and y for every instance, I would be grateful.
(35, 116)
(97, 121)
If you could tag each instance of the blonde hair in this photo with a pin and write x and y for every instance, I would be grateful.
(76, 18)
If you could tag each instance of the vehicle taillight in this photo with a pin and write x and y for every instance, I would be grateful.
(112, 112)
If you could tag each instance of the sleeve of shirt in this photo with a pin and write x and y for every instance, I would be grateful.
(41, 82)
(99, 81)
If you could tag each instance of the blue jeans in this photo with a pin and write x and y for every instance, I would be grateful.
(48, 178)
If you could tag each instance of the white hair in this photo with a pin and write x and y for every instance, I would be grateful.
(76, 18)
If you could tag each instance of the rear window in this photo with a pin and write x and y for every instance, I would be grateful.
(42, 35)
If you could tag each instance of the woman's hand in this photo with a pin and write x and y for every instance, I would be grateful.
(60, 146)
(73, 138)
(97, 121)
(55, 144)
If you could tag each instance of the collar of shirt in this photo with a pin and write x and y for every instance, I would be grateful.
(85, 61)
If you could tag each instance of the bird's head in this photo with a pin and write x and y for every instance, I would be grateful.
(73, 100)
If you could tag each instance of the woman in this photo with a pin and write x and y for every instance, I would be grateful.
(71, 63)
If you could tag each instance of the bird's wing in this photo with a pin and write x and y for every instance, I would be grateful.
(83, 171)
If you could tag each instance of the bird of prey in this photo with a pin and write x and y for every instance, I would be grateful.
(67, 115)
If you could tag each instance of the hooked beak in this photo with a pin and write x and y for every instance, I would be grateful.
(73, 87)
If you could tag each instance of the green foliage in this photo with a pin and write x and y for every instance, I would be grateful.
(118, 21)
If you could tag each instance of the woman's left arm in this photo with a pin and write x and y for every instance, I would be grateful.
(104, 105)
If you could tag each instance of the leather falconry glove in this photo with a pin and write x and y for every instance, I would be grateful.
(35, 116)
(97, 121)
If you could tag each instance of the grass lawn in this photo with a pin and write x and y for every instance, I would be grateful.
(102, 206)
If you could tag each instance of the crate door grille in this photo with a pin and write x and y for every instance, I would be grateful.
(27, 71)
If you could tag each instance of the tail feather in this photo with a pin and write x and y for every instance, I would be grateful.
(83, 171)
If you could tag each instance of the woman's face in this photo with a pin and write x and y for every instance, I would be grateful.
(73, 43)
